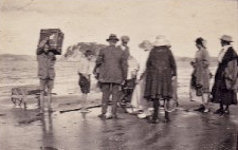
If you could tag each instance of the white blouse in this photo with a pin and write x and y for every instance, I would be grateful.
(142, 63)
(222, 52)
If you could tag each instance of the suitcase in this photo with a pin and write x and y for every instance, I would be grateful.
(56, 40)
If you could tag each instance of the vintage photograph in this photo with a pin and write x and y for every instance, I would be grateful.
(118, 74)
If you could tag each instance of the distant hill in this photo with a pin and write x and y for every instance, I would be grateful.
(73, 51)
(179, 58)
(13, 57)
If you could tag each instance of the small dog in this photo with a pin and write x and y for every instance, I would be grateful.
(19, 96)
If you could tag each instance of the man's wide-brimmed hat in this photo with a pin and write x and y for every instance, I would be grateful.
(145, 44)
(161, 41)
(226, 38)
(125, 38)
(112, 37)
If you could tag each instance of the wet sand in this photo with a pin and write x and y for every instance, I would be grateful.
(188, 130)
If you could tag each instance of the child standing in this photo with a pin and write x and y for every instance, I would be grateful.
(85, 71)
(130, 82)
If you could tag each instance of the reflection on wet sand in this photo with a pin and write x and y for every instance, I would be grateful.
(75, 130)
(48, 139)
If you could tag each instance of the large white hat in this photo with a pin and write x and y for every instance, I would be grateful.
(226, 38)
(160, 40)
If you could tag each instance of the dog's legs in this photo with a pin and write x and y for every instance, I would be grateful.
(38, 101)
(19, 96)
(24, 99)
(13, 99)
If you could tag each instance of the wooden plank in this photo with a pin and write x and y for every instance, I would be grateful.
(77, 109)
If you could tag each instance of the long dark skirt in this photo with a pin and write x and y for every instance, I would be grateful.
(220, 94)
(158, 85)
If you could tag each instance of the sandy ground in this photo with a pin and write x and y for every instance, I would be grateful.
(24, 130)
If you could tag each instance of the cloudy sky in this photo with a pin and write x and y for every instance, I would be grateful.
(181, 21)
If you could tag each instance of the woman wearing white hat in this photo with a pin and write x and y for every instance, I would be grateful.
(138, 103)
(160, 71)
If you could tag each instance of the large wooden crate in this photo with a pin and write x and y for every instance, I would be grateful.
(56, 42)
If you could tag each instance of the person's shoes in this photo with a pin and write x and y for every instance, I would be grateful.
(84, 111)
(102, 116)
(200, 109)
(166, 120)
(50, 110)
(154, 121)
(219, 111)
(227, 112)
(142, 115)
(129, 110)
(222, 113)
(112, 117)
(206, 110)
(40, 113)
(122, 104)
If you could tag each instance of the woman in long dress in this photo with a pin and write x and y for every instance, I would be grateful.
(225, 85)
(138, 102)
(202, 74)
(160, 73)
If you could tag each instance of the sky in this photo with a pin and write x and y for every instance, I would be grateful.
(181, 21)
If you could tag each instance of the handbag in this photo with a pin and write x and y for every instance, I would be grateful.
(199, 90)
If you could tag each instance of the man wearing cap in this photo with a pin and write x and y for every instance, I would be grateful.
(225, 85)
(132, 69)
(124, 45)
(112, 65)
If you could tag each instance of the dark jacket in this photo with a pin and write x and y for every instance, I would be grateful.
(46, 64)
(160, 69)
(112, 65)
(225, 84)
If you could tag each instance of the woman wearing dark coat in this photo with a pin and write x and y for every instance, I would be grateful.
(225, 85)
(160, 70)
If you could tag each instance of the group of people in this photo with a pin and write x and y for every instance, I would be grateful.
(143, 86)
(225, 83)
(116, 72)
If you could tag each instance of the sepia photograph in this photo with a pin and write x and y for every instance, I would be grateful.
(118, 74)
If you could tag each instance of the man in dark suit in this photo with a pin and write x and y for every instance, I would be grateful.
(112, 65)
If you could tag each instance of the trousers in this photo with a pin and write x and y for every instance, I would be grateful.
(110, 89)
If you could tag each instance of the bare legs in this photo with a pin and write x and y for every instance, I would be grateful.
(205, 102)
(42, 101)
(84, 100)
(84, 103)
(204, 107)
(43, 98)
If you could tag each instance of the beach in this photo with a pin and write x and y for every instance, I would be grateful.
(72, 130)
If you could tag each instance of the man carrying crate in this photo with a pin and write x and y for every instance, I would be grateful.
(46, 72)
